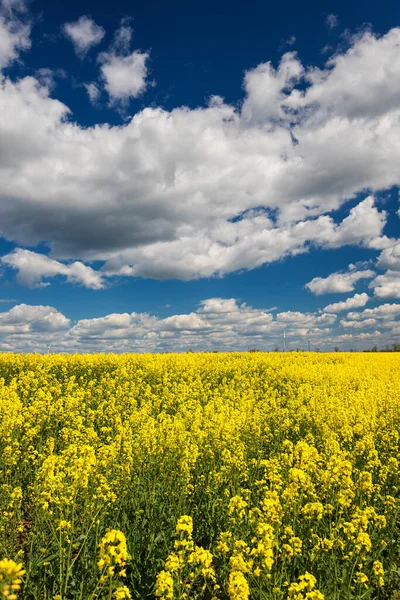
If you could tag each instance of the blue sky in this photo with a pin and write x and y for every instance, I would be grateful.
(181, 175)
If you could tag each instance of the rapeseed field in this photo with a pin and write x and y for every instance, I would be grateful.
(200, 476)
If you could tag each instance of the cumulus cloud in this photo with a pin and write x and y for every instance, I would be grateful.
(384, 316)
(14, 33)
(340, 91)
(217, 324)
(339, 283)
(358, 324)
(295, 318)
(123, 72)
(25, 319)
(356, 301)
(387, 285)
(191, 193)
(265, 87)
(124, 76)
(33, 267)
(84, 34)
(348, 338)
(245, 244)
(389, 258)
(384, 311)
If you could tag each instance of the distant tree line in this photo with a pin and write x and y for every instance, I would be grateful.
(392, 348)
(388, 348)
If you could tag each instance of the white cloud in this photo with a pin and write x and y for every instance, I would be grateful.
(93, 91)
(123, 72)
(33, 267)
(217, 324)
(356, 301)
(191, 322)
(193, 193)
(384, 311)
(389, 258)
(357, 86)
(332, 21)
(295, 319)
(48, 77)
(14, 33)
(84, 34)
(338, 283)
(122, 37)
(265, 87)
(384, 316)
(219, 306)
(245, 244)
(124, 76)
(373, 335)
(10, 7)
(32, 319)
(100, 325)
(387, 285)
(350, 337)
(380, 243)
(358, 324)
(289, 41)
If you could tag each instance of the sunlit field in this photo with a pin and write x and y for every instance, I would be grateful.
(215, 476)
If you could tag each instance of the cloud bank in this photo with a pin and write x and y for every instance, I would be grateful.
(216, 324)
(192, 193)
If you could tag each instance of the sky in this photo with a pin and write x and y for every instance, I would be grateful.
(205, 176)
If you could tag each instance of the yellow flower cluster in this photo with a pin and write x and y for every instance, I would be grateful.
(304, 589)
(122, 593)
(113, 555)
(228, 476)
(11, 574)
(186, 565)
(238, 588)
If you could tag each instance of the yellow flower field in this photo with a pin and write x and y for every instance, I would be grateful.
(215, 476)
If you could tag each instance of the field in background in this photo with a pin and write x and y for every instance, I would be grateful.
(200, 476)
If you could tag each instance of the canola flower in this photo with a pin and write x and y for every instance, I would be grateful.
(11, 574)
(122, 593)
(304, 589)
(238, 588)
(112, 564)
(113, 554)
(200, 476)
(186, 565)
